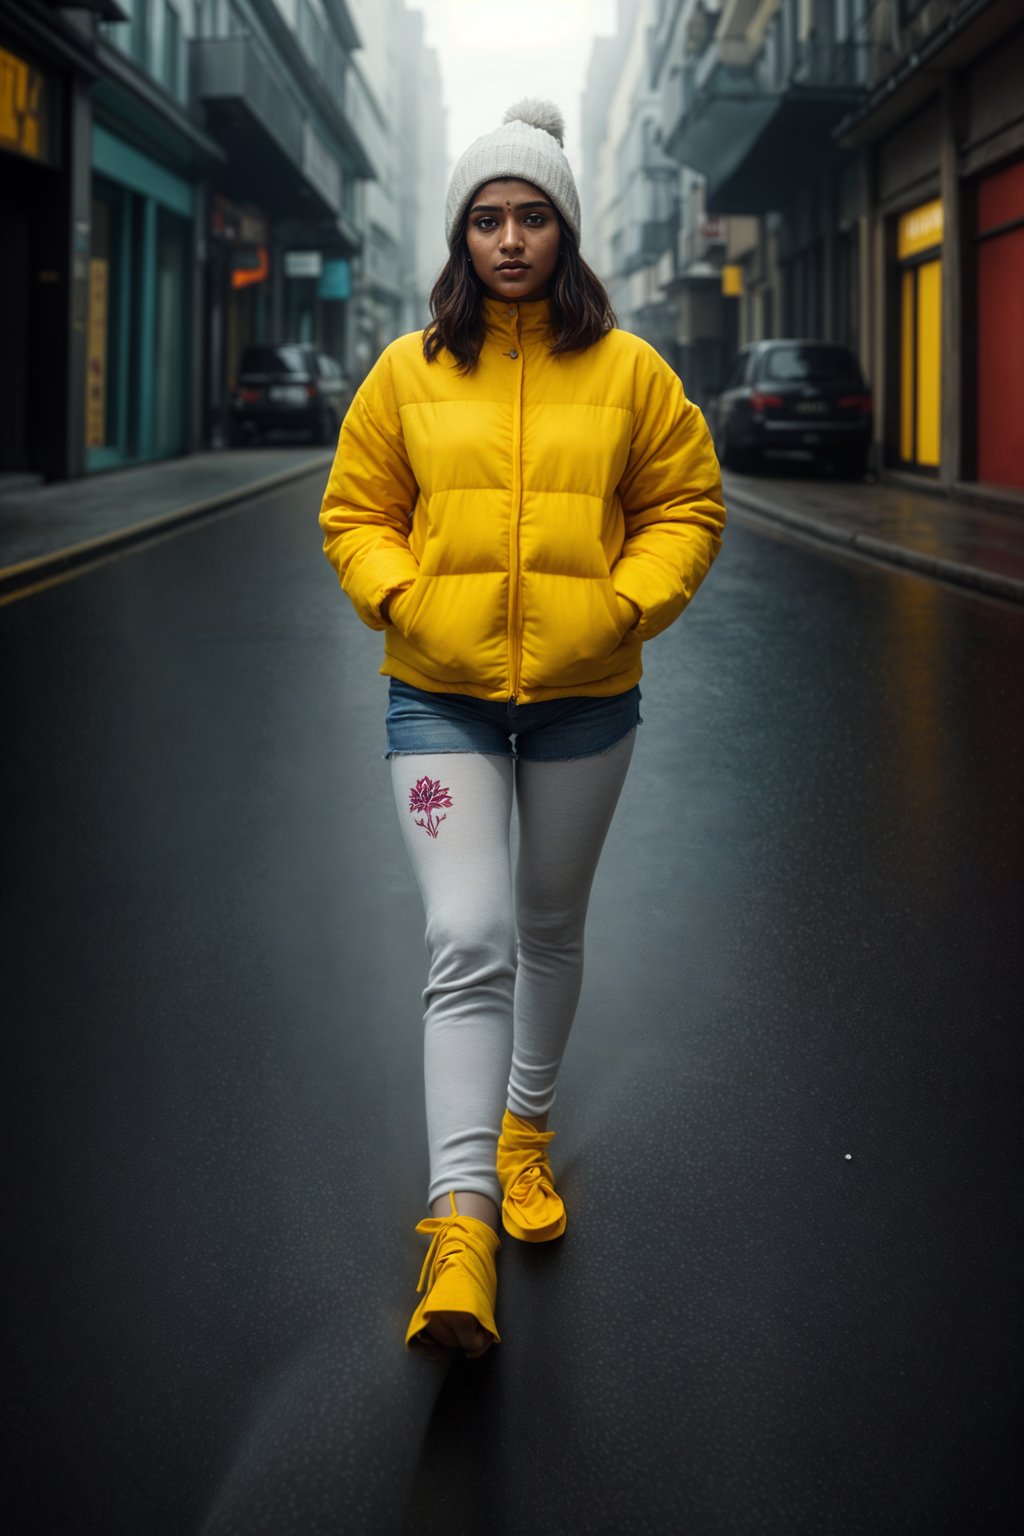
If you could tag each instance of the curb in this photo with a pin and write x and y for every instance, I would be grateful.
(29, 573)
(950, 571)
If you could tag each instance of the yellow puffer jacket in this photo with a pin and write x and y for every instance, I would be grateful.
(532, 522)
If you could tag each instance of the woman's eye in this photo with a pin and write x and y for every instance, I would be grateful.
(536, 219)
(485, 223)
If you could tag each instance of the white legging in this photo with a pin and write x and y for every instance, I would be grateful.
(504, 973)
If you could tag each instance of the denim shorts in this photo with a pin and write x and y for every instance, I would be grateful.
(554, 731)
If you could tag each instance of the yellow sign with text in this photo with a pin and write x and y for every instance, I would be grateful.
(920, 230)
(23, 104)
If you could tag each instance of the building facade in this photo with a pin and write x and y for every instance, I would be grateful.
(654, 241)
(850, 170)
(402, 210)
(941, 136)
(629, 188)
(425, 185)
(270, 83)
(180, 178)
(751, 93)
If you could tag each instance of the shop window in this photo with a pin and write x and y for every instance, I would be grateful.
(113, 280)
(137, 328)
(919, 244)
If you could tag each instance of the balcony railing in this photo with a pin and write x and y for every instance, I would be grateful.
(841, 66)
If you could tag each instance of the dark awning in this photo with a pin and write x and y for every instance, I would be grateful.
(755, 175)
(276, 159)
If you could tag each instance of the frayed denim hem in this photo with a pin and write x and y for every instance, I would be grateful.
(439, 751)
(579, 757)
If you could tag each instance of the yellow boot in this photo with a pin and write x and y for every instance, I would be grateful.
(462, 1276)
(531, 1210)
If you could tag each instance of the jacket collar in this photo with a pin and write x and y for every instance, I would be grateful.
(508, 318)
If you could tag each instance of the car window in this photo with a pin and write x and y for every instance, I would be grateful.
(810, 364)
(323, 367)
(273, 360)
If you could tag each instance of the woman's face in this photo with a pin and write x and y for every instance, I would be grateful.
(512, 236)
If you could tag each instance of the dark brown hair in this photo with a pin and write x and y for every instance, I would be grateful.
(581, 310)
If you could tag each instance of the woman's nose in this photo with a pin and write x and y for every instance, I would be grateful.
(510, 235)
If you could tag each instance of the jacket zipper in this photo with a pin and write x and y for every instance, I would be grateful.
(514, 637)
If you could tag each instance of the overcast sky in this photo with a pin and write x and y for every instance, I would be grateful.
(492, 54)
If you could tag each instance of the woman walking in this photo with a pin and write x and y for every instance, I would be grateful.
(521, 496)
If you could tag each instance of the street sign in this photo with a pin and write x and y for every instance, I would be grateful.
(303, 263)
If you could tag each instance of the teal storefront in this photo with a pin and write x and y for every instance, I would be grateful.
(139, 326)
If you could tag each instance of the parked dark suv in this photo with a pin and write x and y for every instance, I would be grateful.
(809, 395)
(288, 388)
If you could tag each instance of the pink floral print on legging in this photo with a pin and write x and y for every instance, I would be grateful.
(427, 795)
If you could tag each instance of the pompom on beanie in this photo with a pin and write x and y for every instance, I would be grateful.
(528, 147)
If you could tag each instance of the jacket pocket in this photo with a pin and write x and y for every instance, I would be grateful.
(402, 611)
(621, 620)
(629, 617)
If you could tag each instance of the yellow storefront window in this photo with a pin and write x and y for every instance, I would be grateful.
(929, 361)
(920, 230)
(918, 246)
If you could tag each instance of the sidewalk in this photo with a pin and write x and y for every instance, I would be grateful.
(46, 530)
(944, 537)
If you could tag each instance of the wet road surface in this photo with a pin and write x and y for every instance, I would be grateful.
(787, 1122)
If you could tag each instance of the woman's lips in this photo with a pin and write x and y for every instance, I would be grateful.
(511, 268)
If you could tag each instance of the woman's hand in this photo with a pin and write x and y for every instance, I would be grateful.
(629, 613)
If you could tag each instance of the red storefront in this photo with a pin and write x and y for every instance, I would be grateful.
(1000, 252)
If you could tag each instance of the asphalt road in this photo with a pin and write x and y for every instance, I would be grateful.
(788, 1118)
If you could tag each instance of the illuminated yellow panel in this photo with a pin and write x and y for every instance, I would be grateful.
(23, 105)
(907, 367)
(96, 361)
(920, 230)
(732, 281)
(929, 360)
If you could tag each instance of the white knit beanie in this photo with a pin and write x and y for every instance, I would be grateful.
(528, 147)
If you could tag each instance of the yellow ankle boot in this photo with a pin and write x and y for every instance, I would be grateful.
(531, 1210)
(462, 1276)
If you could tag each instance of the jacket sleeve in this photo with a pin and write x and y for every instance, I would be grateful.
(671, 497)
(366, 515)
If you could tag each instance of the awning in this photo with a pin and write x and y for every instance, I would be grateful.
(276, 159)
(754, 174)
